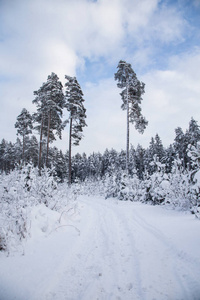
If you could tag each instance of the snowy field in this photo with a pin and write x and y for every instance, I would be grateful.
(109, 250)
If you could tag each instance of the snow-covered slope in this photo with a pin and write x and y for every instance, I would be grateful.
(113, 250)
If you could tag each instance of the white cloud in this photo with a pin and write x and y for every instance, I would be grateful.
(44, 36)
(154, 20)
(48, 34)
(172, 96)
(138, 13)
(171, 99)
(167, 25)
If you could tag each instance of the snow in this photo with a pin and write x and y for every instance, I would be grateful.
(105, 249)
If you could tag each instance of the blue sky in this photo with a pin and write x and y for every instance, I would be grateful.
(86, 39)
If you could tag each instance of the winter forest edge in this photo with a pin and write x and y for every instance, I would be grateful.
(32, 172)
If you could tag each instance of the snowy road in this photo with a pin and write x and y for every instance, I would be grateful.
(125, 251)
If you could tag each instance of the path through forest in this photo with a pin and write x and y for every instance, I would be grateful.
(114, 250)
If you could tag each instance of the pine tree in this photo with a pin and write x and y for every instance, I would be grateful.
(79, 166)
(193, 132)
(169, 158)
(32, 150)
(105, 162)
(24, 127)
(18, 150)
(3, 146)
(59, 163)
(9, 157)
(122, 160)
(149, 155)
(132, 161)
(131, 95)
(180, 145)
(158, 184)
(50, 102)
(74, 104)
(92, 165)
(139, 161)
(113, 161)
(159, 149)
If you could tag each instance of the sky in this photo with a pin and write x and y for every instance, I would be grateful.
(86, 39)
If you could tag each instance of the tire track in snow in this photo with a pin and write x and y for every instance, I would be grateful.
(116, 280)
(121, 256)
(176, 274)
(88, 272)
(179, 273)
(66, 281)
(104, 264)
(180, 267)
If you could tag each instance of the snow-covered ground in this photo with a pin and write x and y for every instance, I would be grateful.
(111, 250)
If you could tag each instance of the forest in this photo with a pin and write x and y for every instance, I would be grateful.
(31, 171)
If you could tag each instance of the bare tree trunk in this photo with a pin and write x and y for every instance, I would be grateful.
(40, 148)
(127, 132)
(70, 153)
(48, 135)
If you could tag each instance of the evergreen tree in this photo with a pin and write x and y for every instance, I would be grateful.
(80, 166)
(179, 190)
(193, 132)
(149, 155)
(74, 104)
(132, 161)
(152, 151)
(92, 165)
(194, 154)
(158, 183)
(159, 149)
(50, 102)
(32, 150)
(18, 150)
(24, 127)
(113, 161)
(131, 95)
(180, 145)
(139, 161)
(59, 163)
(169, 158)
(3, 146)
(122, 160)
(105, 162)
(9, 157)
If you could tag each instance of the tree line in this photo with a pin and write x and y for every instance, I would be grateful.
(97, 165)
(47, 121)
(50, 102)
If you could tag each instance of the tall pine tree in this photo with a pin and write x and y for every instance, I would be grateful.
(193, 132)
(50, 102)
(77, 111)
(24, 127)
(131, 95)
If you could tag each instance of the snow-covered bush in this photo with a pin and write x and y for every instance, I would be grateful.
(91, 186)
(111, 185)
(124, 192)
(137, 190)
(157, 188)
(157, 185)
(20, 190)
(179, 195)
(43, 187)
(124, 187)
(194, 154)
(196, 194)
